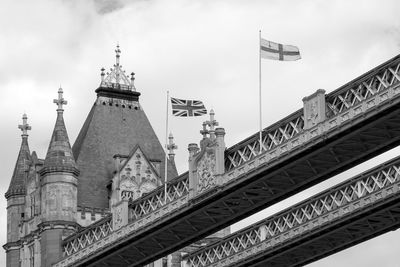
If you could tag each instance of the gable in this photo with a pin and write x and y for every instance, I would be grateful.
(137, 175)
(114, 126)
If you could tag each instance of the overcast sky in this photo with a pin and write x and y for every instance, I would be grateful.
(206, 50)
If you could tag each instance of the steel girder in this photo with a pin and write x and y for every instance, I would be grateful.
(344, 215)
(358, 137)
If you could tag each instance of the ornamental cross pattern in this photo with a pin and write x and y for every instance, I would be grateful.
(60, 101)
(363, 96)
(340, 101)
(271, 228)
(24, 126)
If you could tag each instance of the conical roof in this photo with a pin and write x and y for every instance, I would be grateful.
(59, 155)
(107, 131)
(115, 125)
(17, 184)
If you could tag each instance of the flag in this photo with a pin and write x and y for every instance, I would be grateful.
(277, 51)
(187, 108)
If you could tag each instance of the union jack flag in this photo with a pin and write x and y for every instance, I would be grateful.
(187, 108)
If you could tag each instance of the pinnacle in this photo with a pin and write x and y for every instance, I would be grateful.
(59, 154)
(17, 184)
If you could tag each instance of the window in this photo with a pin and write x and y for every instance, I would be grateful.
(31, 255)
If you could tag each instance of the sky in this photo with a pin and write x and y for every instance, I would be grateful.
(205, 50)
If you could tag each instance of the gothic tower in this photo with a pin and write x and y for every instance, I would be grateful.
(116, 126)
(58, 190)
(15, 196)
(116, 157)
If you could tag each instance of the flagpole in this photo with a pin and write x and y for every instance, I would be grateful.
(166, 152)
(259, 89)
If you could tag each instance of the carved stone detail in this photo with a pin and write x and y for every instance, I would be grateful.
(314, 109)
(207, 164)
(206, 171)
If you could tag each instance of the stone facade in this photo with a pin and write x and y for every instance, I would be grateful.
(116, 159)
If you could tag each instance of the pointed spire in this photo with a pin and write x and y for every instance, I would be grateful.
(59, 154)
(17, 184)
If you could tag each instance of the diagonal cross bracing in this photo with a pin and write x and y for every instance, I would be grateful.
(280, 171)
(328, 213)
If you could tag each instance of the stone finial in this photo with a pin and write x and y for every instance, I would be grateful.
(193, 149)
(212, 123)
(116, 78)
(220, 151)
(60, 101)
(132, 81)
(204, 131)
(171, 145)
(102, 74)
(117, 54)
(24, 126)
(220, 132)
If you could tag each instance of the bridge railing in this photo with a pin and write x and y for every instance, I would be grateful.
(342, 99)
(362, 88)
(155, 200)
(89, 235)
(302, 217)
(272, 136)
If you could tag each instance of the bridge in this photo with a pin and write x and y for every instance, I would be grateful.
(332, 133)
(345, 215)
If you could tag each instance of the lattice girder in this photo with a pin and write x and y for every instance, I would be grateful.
(278, 173)
(156, 200)
(340, 101)
(383, 181)
(88, 236)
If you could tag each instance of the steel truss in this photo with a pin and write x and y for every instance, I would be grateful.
(337, 102)
(357, 133)
(156, 200)
(257, 244)
(88, 236)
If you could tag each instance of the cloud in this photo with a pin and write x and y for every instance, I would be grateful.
(108, 6)
(200, 49)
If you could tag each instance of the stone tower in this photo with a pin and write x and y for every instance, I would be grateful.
(58, 181)
(115, 159)
(15, 196)
(114, 129)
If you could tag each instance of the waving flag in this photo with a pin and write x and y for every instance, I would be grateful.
(277, 51)
(187, 108)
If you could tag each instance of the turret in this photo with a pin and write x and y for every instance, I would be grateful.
(58, 180)
(15, 196)
(116, 125)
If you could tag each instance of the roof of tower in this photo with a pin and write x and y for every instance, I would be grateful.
(59, 155)
(115, 125)
(17, 184)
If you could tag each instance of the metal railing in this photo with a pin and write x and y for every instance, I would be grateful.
(155, 200)
(88, 236)
(299, 215)
(349, 95)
